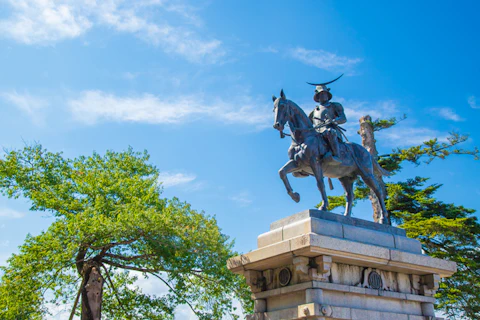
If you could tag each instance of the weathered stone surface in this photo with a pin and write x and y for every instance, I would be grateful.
(313, 295)
(407, 244)
(260, 305)
(431, 281)
(347, 274)
(312, 225)
(363, 314)
(254, 280)
(340, 247)
(270, 237)
(341, 268)
(324, 215)
(343, 299)
(428, 310)
(422, 262)
(343, 251)
(324, 264)
(368, 236)
(419, 298)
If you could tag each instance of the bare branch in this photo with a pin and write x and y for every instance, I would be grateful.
(72, 314)
(184, 299)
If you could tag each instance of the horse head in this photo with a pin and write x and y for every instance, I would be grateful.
(282, 110)
(288, 111)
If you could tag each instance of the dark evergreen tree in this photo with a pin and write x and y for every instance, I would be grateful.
(446, 231)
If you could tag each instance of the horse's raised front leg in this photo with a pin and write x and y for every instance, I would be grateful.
(290, 166)
(347, 183)
(318, 173)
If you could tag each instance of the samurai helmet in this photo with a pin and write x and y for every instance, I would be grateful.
(322, 87)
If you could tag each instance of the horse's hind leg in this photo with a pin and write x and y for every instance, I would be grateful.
(286, 169)
(379, 192)
(318, 173)
(347, 183)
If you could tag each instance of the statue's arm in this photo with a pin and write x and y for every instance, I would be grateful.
(341, 118)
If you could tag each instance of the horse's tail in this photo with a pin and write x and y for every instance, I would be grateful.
(379, 170)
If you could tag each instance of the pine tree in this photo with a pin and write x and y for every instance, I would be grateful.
(446, 231)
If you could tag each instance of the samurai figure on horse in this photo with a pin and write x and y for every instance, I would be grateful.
(316, 149)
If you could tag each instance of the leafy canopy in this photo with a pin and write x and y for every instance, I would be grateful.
(109, 209)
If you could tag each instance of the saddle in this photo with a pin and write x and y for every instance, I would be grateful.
(345, 155)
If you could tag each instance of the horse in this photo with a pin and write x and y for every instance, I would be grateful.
(307, 152)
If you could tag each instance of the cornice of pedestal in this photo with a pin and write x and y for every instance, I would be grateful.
(311, 233)
(341, 251)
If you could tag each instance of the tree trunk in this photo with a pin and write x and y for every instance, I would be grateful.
(92, 292)
(368, 141)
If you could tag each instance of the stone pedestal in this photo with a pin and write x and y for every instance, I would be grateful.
(320, 265)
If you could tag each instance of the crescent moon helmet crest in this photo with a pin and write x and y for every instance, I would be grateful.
(325, 83)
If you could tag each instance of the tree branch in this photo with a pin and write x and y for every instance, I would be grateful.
(118, 265)
(153, 273)
(184, 299)
(113, 244)
(72, 314)
(120, 257)
(114, 289)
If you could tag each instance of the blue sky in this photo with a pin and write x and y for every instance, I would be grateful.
(191, 82)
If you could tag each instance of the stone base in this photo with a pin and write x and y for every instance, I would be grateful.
(319, 265)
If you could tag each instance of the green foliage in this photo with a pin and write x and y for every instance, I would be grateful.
(381, 124)
(361, 192)
(431, 150)
(446, 231)
(109, 210)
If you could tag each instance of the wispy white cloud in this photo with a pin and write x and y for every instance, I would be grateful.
(44, 22)
(243, 198)
(472, 102)
(170, 179)
(150, 285)
(447, 113)
(28, 104)
(130, 75)
(269, 49)
(3, 259)
(401, 136)
(8, 213)
(4, 243)
(95, 106)
(324, 60)
(355, 109)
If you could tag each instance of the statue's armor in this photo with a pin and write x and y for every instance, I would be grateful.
(332, 111)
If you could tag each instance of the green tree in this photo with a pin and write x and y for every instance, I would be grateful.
(110, 222)
(446, 231)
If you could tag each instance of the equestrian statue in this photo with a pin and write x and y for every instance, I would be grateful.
(318, 150)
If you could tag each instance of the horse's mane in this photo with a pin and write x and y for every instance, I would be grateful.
(302, 113)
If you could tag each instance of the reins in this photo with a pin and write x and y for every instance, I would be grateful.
(293, 129)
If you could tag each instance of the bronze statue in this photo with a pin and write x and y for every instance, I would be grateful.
(326, 118)
(308, 154)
